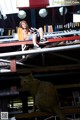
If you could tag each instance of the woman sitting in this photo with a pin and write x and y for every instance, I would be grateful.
(31, 34)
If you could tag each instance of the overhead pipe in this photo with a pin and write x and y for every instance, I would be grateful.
(43, 50)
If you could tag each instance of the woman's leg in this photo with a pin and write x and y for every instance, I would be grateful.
(41, 32)
(35, 40)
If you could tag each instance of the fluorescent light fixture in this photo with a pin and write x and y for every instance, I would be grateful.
(76, 17)
(22, 3)
(8, 7)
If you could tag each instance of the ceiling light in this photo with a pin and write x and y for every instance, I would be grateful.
(43, 12)
(61, 10)
(22, 14)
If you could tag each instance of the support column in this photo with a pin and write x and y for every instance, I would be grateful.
(13, 65)
(33, 18)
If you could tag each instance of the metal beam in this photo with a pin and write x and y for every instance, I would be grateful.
(76, 85)
(56, 68)
(66, 110)
(43, 50)
(8, 61)
(67, 57)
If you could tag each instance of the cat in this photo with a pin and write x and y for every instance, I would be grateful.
(44, 93)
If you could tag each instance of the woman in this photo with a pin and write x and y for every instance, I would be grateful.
(30, 34)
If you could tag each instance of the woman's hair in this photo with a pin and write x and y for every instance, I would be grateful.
(23, 21)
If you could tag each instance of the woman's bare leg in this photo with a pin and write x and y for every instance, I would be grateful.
(41, 32)
(35, 40)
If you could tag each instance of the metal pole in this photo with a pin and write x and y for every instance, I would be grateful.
(8, 61)
(43, 50)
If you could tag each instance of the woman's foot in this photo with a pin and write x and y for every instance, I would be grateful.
(43, 39)
(36, 46)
